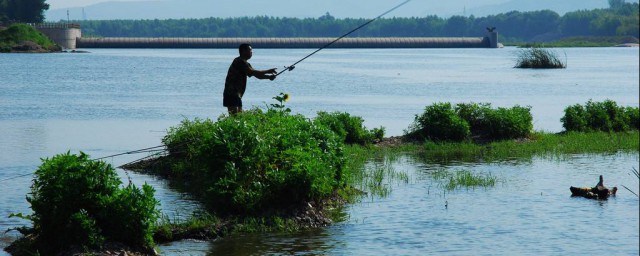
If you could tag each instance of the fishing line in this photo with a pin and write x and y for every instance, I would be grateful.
(292, 66)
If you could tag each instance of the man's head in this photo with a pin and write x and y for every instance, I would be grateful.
(245, 51)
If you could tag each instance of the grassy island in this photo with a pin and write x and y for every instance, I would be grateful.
(24, 38)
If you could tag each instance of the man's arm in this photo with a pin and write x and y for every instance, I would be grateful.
(263, 74)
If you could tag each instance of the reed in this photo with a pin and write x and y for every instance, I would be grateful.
(452, 180)
(536, 57)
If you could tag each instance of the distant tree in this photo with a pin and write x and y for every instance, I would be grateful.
(23, 10)
(616, 4)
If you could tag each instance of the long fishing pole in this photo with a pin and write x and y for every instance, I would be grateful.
(292, 66)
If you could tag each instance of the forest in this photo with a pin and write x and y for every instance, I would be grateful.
(620, 19)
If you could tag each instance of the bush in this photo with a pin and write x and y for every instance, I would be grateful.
(604, 116)
(538, 58)
(349, 128)
(256, 161)
(78, 202)
(440, 122)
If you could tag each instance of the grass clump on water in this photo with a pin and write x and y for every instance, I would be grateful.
(604, 116)
(464, 178)
(536, 57)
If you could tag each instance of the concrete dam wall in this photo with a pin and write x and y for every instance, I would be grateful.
(69, 36)
(358, 42)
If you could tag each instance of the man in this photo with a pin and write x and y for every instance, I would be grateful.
(236, 81)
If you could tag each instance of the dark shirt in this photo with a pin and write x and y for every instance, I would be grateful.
(236, 82)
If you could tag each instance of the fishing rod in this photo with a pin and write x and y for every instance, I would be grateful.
(292, 66)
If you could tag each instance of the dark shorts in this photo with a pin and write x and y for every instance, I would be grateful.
(231, 101)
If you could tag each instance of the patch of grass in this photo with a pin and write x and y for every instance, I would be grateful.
(539, 144)
(463, 179)
(18, 33)
(538, 58)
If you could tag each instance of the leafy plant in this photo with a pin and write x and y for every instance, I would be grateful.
(440, 122)
(349, 128)
(604, 116)
(78, 201)
(256, 161)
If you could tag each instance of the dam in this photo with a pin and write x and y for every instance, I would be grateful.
(69, 36)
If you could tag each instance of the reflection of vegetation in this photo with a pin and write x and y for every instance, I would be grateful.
(538, 58)
(79, 202)
(604, 116)
(464, 178)
(443, 122)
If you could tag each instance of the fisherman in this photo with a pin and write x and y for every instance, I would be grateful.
(236, 82)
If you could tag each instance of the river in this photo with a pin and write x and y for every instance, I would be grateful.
(111, 101)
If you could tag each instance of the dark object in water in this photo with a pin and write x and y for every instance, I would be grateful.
(597, 192)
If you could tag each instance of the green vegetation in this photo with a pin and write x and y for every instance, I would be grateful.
(536, 26)
(256, 161)
(18, 33)
(22, 10)
(582, 41)
(464, 178)
(349, 128)
(78, 202)
(538, 58)
(539, 144)
(443, 122)
(601, 116)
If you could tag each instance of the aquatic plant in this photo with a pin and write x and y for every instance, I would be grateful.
(256, 161)
(79, 202)
(637, 175)
(539, 144)
(349, 128)
(600, 116)
(463, 178)
(442, 122)
(536, 57)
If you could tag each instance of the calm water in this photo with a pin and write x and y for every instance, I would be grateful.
(112, 101)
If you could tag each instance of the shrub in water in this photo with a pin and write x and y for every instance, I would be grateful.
(349, 128)
(538, 58)
(78, 201)
(440, 122)
(256, 161)
(600, 116)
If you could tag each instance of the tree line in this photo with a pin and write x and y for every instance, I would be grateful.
(29, 11)
(621, 19)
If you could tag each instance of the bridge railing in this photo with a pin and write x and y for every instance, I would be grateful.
(55, 25)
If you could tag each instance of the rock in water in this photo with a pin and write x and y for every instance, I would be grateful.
(597, 192)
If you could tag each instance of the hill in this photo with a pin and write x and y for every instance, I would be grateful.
(24, 38)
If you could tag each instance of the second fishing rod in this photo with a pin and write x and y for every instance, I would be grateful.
(292, 66)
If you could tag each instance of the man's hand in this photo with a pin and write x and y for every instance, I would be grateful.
(272, 77)
(272, 71)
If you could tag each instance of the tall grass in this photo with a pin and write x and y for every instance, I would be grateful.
(536, 57)
(540, 144)
(463, 179)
